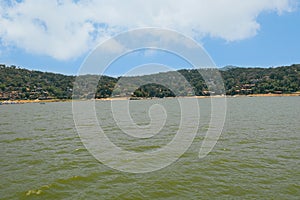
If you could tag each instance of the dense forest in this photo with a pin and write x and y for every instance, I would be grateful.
(17, 83)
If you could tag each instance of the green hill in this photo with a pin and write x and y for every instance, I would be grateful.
(17, 83)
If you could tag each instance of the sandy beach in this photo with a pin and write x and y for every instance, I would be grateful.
(128, 98)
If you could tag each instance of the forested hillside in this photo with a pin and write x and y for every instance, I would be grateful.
(17, 83)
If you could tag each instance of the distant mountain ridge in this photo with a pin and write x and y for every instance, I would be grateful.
(17, 83)
(228, 67)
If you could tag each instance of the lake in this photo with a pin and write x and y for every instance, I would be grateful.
(257, 155)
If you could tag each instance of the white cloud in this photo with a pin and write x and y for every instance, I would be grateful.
(65, 29)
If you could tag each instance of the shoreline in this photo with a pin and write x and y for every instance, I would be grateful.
(269, 95)
(22, 101)
(128, 98)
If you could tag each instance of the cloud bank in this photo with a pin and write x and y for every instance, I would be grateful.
(66, 29)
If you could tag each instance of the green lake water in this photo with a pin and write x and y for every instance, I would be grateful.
(256, 157)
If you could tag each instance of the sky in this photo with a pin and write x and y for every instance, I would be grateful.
(58, 35)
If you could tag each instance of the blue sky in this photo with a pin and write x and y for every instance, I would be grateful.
(56, 36)
(276, 43)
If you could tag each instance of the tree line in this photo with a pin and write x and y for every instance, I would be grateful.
(18, 83)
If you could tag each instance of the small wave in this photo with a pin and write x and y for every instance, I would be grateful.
(16, 140)
(33, 192)
(38, 191)
(21, 139)
(40, 129)
(7, 132)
